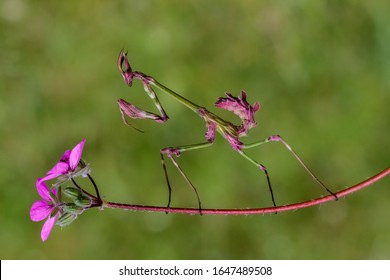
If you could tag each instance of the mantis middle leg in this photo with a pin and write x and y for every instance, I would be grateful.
(171, 152)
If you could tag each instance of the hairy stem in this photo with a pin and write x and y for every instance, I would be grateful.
(252, 211)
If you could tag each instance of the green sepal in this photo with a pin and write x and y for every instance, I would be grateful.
(72, 193)
(54, 212)
(83, 202)
(72, 208)
(66, 219)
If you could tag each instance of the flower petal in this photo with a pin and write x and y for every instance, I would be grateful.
(42, 189)
(65, 156)
(40, 210)
(75, 155)
(47, 227)
(54, 191)
(58, 169)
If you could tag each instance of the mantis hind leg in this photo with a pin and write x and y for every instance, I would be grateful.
(278, 138)
(264, 169)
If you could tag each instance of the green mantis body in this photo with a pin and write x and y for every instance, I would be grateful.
(231, 132)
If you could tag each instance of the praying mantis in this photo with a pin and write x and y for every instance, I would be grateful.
(229, 131)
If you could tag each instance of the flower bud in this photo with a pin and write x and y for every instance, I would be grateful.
(66, 219)
(83, 202)
(72, 193)
(72, 208)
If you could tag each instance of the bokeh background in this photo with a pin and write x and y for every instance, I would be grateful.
(320, 69)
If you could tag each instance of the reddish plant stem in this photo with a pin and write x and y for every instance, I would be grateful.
(252, 211)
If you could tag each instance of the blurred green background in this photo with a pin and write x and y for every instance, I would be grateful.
(320, 70)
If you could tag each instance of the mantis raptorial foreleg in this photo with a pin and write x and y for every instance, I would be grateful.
(129, 109)
(232, 133)
(175, 152)
(164, 117)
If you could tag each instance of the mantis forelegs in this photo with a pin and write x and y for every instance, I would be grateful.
(232, 133)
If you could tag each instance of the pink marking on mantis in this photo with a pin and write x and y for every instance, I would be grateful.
(232, 133)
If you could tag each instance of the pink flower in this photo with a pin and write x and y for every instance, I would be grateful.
(240, 107)
(46, 208)
(67, 163)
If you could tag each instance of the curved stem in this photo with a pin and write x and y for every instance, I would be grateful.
(252, 211)
(84, 191)
(96, 188)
